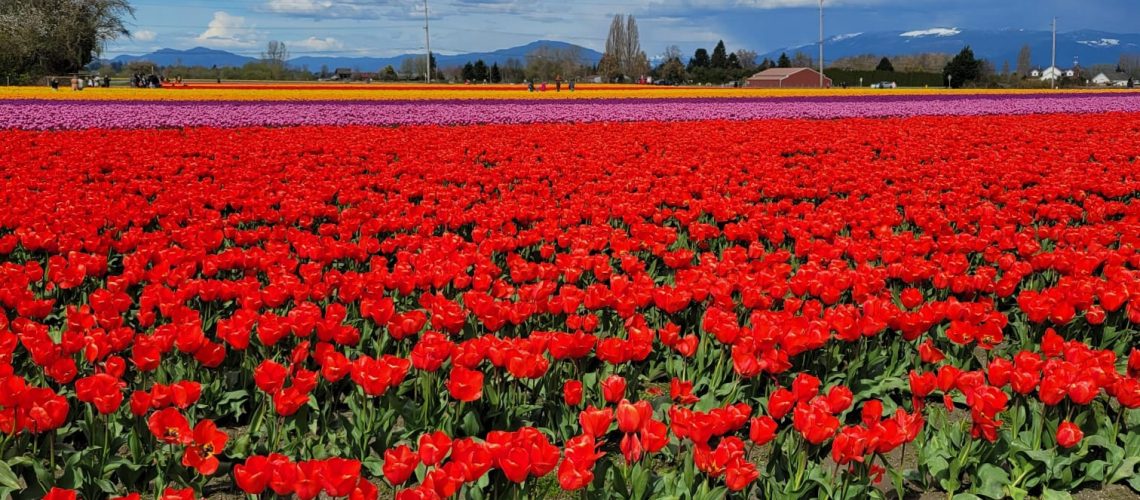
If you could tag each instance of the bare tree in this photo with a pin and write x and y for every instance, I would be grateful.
(612, 62)
(275, 56)
(1024, 61)
(623, 57)
(747, 58)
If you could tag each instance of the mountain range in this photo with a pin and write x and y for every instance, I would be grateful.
(202, 56)
(1088, 47)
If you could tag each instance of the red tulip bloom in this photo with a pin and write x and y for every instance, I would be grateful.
(762, 430)
(814, 422)
(399, 464)
(613, 388)
(780, 403)
(872, 412)
(270, 376)
(805, 387)
(572, 392)
(60, 494)
(208, 442)
(515, 464)
(839, 399)
(170, 427)
(253, 476)
(177, 494)
(681, 391)
(465, 385)
(739, 474)
(595, 423)
(434, 447)
(340, 476)
(102, 390)
(628, 417)
(1068, 434)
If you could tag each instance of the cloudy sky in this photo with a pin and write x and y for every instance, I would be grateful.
(390, 27)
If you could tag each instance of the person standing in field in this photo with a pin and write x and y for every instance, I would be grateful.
(558, 83)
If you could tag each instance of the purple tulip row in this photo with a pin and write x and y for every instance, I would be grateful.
(47, 115)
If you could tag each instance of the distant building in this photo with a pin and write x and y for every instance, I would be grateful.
(787, 78)
(1101, 79)
(343, 73)
(1053, 73)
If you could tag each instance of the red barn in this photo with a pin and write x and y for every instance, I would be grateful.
(787, 78)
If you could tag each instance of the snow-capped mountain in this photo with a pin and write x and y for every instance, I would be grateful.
(1087, 46)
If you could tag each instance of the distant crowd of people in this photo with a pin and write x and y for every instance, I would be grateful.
(80, 82)
(557, 85)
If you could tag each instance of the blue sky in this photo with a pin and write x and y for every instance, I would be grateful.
(390, 27)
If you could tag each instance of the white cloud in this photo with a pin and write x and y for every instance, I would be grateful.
(318, 9)
(227, 31)
(932, 32)
(144, 35)
(314, 44)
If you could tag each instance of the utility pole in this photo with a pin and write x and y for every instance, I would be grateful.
(427, 41)
(1053, 66)
(821, 44)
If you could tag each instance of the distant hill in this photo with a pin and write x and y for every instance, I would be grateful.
(201, 56)
(589, 57)
(197, 56)
(1090, 47)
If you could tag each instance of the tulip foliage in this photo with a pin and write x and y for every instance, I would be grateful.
(774, 309)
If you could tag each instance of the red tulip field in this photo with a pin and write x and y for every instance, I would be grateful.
(776, 308)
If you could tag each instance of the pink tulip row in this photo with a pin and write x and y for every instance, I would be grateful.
(44, 115)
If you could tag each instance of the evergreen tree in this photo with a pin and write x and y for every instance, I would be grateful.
(733, 61)
(719, 56)
(885, 65)
(784, 62)
(700, 59)
(496, 75)
(479, 71)
(468, 72)
(963, 68)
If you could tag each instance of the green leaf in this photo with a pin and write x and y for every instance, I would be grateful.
(8, 478)
(1134, 483)
(991, 481)
(639, 479)
(1127, 469)
(1048, 494)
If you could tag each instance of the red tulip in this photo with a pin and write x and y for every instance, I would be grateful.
(572, 392)
(780, 403)
(762, 430)
(170, 427)
(613, 388)
(399, 464)
(253, 476)
(465, 385)
(595, 422)
(208, 442)
(60, 494)
(1068, 434)
(434, 447)
(628, 417)
(805, 387)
